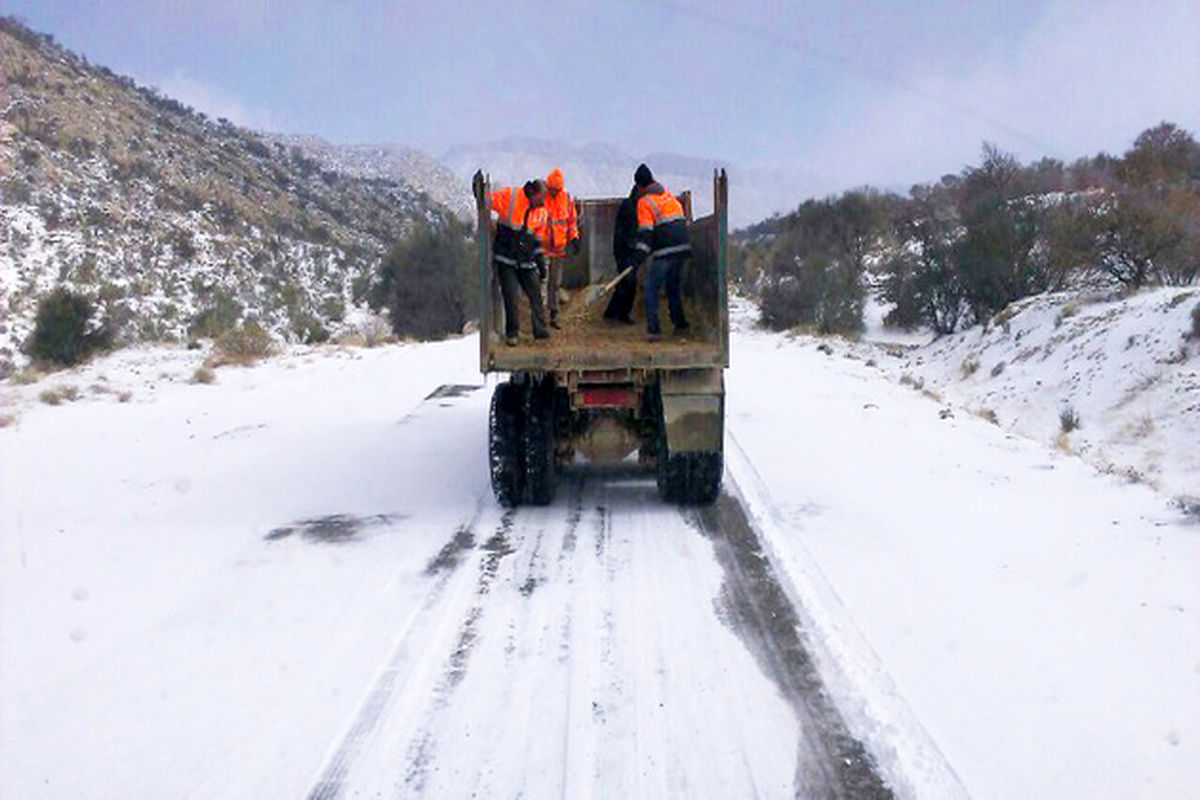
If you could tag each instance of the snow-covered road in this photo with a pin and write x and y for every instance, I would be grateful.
(259, 606)
(295, 583)
(597, 648)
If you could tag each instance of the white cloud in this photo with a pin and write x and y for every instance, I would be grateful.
(1088, 77)
(215, 102)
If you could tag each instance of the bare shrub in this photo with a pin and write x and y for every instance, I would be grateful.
(204, 375)
(374, 331)
(26, 376)
(1068, 419)
(987, 414)
(243, 346)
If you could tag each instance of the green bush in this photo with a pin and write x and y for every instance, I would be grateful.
(63, 331)
(818, 291)
(220, 316)
(427, 282)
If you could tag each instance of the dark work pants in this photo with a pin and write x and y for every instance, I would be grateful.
(553, 281)
(621, 303)
(514, 280)
(664, 272)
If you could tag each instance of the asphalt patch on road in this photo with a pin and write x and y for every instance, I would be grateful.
(333, 528)
(449, 390)
(831, 762)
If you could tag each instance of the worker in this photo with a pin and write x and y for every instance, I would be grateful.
(663, 237)
(518, 252)
(562, 238)
(627, 255)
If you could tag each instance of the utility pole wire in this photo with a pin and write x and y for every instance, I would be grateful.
(852, 66)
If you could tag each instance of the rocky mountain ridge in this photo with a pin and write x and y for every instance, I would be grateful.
(176, 224)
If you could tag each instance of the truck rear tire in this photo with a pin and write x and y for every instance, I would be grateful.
(505, 445)
(691, 479)
(541, 476)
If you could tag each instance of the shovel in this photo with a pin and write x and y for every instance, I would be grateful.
(594, 293)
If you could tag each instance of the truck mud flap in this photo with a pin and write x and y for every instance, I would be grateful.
(693, 404)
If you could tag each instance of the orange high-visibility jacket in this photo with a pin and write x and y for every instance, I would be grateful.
(564, 225)
(521, 231)
(662, 227)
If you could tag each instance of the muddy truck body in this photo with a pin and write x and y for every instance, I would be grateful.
(597, 391)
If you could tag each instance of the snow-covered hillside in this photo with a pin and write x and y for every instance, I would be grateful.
(1124, 370)
(160, 214)
(390, 161)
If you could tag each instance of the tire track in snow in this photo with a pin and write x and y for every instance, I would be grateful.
(443, 565)
(830, 763)
(423, 750)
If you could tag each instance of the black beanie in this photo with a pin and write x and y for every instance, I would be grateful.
(643, 176)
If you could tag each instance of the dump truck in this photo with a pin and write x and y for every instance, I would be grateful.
(598, 391)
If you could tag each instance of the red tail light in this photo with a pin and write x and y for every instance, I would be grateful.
(607, 396)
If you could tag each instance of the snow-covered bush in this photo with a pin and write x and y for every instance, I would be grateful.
(243, 345)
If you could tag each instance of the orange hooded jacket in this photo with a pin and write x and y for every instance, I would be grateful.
(561, 217)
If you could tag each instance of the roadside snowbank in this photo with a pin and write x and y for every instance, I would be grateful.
(1123, 367)
(988, 608)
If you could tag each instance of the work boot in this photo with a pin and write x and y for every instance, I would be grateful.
(653, 336)
(554, 322)
(511, 341)
(683, 330)
(542, 334)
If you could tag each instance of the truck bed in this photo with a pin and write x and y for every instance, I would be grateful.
(587, 340)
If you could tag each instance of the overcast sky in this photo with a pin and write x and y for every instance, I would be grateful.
(844, 91)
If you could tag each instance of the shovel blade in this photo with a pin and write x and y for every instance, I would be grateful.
(594, 293)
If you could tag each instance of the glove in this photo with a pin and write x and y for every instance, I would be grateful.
(573, 247)
(542, 273)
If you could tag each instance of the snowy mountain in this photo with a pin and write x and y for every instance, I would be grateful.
(389, 161)
(604, 170)
(168, 218)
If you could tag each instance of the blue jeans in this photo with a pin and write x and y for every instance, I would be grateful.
(664, 272)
